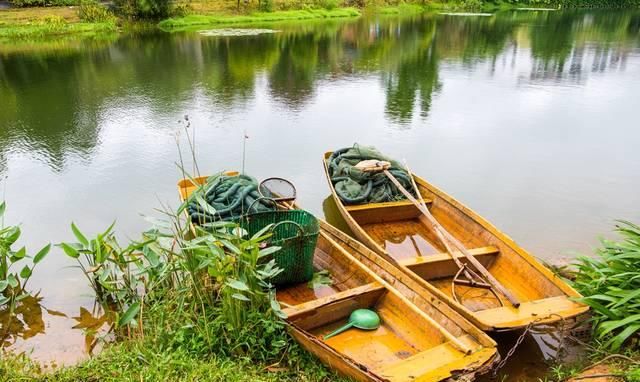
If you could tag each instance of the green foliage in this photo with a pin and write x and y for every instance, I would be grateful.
(179, 23)
(143, 9)
(265, 5)
(120, 277)
(42, 3)
(329, 4)
(633, 374)
(94, 12)
(610, 285)
(15, 267)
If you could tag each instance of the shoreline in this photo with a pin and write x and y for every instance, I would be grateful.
(28, 25)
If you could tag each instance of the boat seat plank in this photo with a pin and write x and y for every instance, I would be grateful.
(385, 212)
(313, 306)
(384, 205)
(547, 309)
(437, 363)
(441, 265)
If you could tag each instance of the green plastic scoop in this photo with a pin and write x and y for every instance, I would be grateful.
(360, 318)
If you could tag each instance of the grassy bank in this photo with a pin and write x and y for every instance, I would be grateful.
(258, 17)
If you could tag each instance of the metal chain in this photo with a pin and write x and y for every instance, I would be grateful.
(494, 373)
(521, 338)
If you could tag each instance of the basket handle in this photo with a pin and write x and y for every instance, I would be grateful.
(275, 204)
(300, 229)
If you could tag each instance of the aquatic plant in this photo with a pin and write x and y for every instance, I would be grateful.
(610, 284)
(13, 282)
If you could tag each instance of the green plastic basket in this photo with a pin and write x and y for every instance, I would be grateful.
(296, 233)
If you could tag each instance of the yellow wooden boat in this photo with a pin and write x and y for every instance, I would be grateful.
(420, 339)
(399, 233)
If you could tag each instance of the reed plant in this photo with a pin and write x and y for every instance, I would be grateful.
(610, 284)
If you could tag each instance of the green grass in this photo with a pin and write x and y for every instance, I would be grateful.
(258, 17)
(10, 32)
(140, 360)
(402, 9)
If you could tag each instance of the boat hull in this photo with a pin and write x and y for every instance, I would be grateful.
(546, 298)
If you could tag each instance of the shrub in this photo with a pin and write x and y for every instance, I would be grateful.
(329, 4)
(41, 3)
(93, 12)
(143, 9)
(610, 284)
(265, 5)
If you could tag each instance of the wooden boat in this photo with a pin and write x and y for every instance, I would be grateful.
(399, 233)
(410, 344)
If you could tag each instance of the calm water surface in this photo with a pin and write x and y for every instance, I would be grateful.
(530, 118)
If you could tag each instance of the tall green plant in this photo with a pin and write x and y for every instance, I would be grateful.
(15, 270)
(120, 276)
(610, 284)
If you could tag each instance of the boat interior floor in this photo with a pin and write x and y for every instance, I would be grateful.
(392, 349)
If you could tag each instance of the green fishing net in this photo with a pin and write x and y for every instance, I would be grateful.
(354, 186)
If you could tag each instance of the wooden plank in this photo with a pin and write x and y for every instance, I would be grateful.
(333, 359)
(313, 316)
(544, 310)
(436, 364)
(441, 265)
(384, 212)
(315, 304)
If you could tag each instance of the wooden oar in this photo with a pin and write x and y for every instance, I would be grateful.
(468, 273)
(377, 166)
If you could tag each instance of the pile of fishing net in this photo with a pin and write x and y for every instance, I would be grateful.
(226, 197)
(355, 186)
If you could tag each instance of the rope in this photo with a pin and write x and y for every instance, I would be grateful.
(226, 198)
(354, 186)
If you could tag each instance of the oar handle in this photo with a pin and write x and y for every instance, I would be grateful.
(341, 329)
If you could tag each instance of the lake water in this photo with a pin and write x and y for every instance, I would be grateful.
(530, 118)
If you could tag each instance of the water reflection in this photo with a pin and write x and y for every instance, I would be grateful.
(53, 101)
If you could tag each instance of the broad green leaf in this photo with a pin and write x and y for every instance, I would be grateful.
(219, 224)
(263, 231)
(3, 300)
(239, 232)
(130, 314)
(25, 272)
(3, 207)
(13, 235)
(20, 254)
(3, 285)
(241, 297)
(608, 326)
(237, 284)
(78, 234)
(151, 256)
(275, 306)
(616, 342)
(13, 281)
(230, 246)
(208, 208)
(268, 251)
(41, 254)
(69, 250)
(321, 278)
